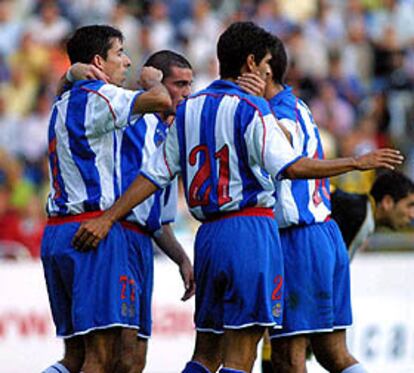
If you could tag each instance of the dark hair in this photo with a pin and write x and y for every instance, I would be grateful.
(279, 62)
(392, 183)
(89, 41)
(164, 60)
(236, 43)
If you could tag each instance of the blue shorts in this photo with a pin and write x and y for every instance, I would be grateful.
(317, 286)
(142, 265)
(238, 269)
(91, 290)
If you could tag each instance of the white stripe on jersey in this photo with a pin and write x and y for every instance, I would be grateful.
(304, 141)
(103, 147)
(226, 112)
(74, 185)
(193, 112)
(257, 163)
(141, 212)
(97, 110)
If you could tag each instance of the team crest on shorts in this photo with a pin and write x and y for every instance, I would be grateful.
(277, 309)
(132, 310)
(124, 309)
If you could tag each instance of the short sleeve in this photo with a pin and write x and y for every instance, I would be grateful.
(120, 102)
(169, 202)
(164, 164)
(268, 145)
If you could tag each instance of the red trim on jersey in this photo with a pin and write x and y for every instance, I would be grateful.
(105, 99)
(57, 220)
(248, 211)
(134, 227)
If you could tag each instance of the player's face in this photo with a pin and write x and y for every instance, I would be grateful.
(178, 84)
(403, 212)
(269, 93)
(263, 68)
(117, 63)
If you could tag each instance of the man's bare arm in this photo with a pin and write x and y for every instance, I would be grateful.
(80, 71)
(307, 168)
(169, 244)
(93, 231)
(156, 97)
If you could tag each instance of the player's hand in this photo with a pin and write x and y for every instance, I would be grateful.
(83, 71)
(381, 158)
(187, 275)
(150, 77)
(252, 83)
(90, 233)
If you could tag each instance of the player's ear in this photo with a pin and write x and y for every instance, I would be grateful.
(98, 61)
(387, 202)
(251, 63)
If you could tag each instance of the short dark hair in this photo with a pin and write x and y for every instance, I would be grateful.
(236, 43)
(89, 41)
(392, 183)
(279, 62)
(164, 60)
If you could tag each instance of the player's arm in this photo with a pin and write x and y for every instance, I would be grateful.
(160, 169)
(307, 168)
(169, 244)
(156, 97)
(93, 231)
(273, 151)
(80, 71)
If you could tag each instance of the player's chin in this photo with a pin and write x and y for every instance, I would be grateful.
(121, 81)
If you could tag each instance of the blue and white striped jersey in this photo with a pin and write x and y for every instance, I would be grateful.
(139, 142)
(228, 148)
(300, 201)
(84, 145)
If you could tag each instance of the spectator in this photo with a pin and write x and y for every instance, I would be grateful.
(49, 27)
(332, 112)
(201, 32)
(10, 29)
(161, 31)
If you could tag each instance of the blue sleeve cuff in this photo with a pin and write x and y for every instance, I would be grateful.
(131, 107)
(169, 221)
(150, 179)
(279, 175)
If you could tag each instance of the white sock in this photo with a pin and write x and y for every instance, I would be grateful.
(356, 368)
(56, 368)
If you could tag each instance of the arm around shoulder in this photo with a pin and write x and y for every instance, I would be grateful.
(156, 99)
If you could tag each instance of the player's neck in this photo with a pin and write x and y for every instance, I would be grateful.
(229, 79)
(273, 89)
(276, 88)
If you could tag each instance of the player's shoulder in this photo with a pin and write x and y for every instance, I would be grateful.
(284, 104)
(258, 103)
(99, 88)
(226, 88)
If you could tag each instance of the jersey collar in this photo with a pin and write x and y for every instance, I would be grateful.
(278, 97)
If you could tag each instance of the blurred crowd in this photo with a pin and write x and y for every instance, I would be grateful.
(352, 61)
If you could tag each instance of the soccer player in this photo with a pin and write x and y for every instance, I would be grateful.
(89, 299)
(390, 203)
(229, 149)
(152, 218)
(317, 284)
